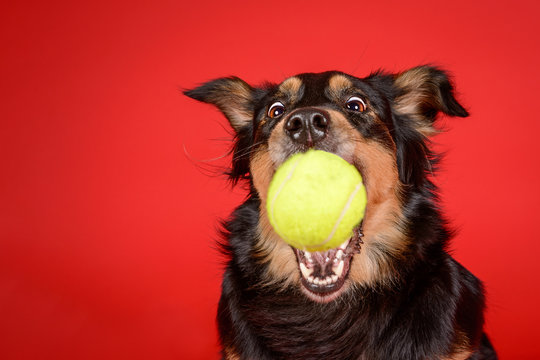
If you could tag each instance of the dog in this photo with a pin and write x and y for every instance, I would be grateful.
(397, 293)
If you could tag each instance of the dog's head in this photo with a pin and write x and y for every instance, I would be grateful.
(379, 123)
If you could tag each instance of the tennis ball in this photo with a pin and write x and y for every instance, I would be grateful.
(315, 200)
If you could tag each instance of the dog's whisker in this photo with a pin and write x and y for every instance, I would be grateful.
(252, 145)
(247, 152)
(192, 158)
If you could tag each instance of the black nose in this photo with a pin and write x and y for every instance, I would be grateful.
(307, 126)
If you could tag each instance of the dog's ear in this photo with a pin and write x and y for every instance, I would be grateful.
(233, 96)
(423, 92)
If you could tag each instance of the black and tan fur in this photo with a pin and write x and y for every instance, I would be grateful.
(404, 296)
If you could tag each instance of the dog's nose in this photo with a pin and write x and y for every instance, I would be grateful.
(307, 126)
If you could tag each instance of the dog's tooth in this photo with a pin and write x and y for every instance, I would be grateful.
(310, 279)
(322, 282)
(339, 254)
(305, 271)
(334, 278)
(338, 270)
(316, 281)
(308, 256)
(344, 244)
(327, 259)
(328, 280)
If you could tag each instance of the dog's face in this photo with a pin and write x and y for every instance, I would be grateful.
(379, 124)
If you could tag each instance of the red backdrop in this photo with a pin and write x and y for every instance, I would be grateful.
(108, 218)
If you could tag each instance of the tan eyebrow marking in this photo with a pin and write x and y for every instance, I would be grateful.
(291, 88)
(337, 84)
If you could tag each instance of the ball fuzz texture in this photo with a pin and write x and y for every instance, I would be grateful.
(315, 200)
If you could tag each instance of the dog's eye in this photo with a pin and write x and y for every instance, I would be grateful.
(276, 110)
(356, 104)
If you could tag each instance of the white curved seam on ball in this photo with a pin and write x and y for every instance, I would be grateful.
(342, 215)
(281, 186)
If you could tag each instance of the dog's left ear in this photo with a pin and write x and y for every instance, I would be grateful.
(233, 96)
(423, 92)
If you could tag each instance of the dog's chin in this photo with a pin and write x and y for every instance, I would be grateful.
(324, 274)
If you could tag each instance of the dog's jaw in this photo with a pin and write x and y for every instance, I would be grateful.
(324, 274)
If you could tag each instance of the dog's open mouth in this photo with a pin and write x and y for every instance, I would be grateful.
(323, 273)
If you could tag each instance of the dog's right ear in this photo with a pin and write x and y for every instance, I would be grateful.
(233, 96)
(423, 92)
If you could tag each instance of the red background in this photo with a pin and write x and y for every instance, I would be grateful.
(108, 219)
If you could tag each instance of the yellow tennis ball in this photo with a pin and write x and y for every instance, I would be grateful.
(315, 200)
